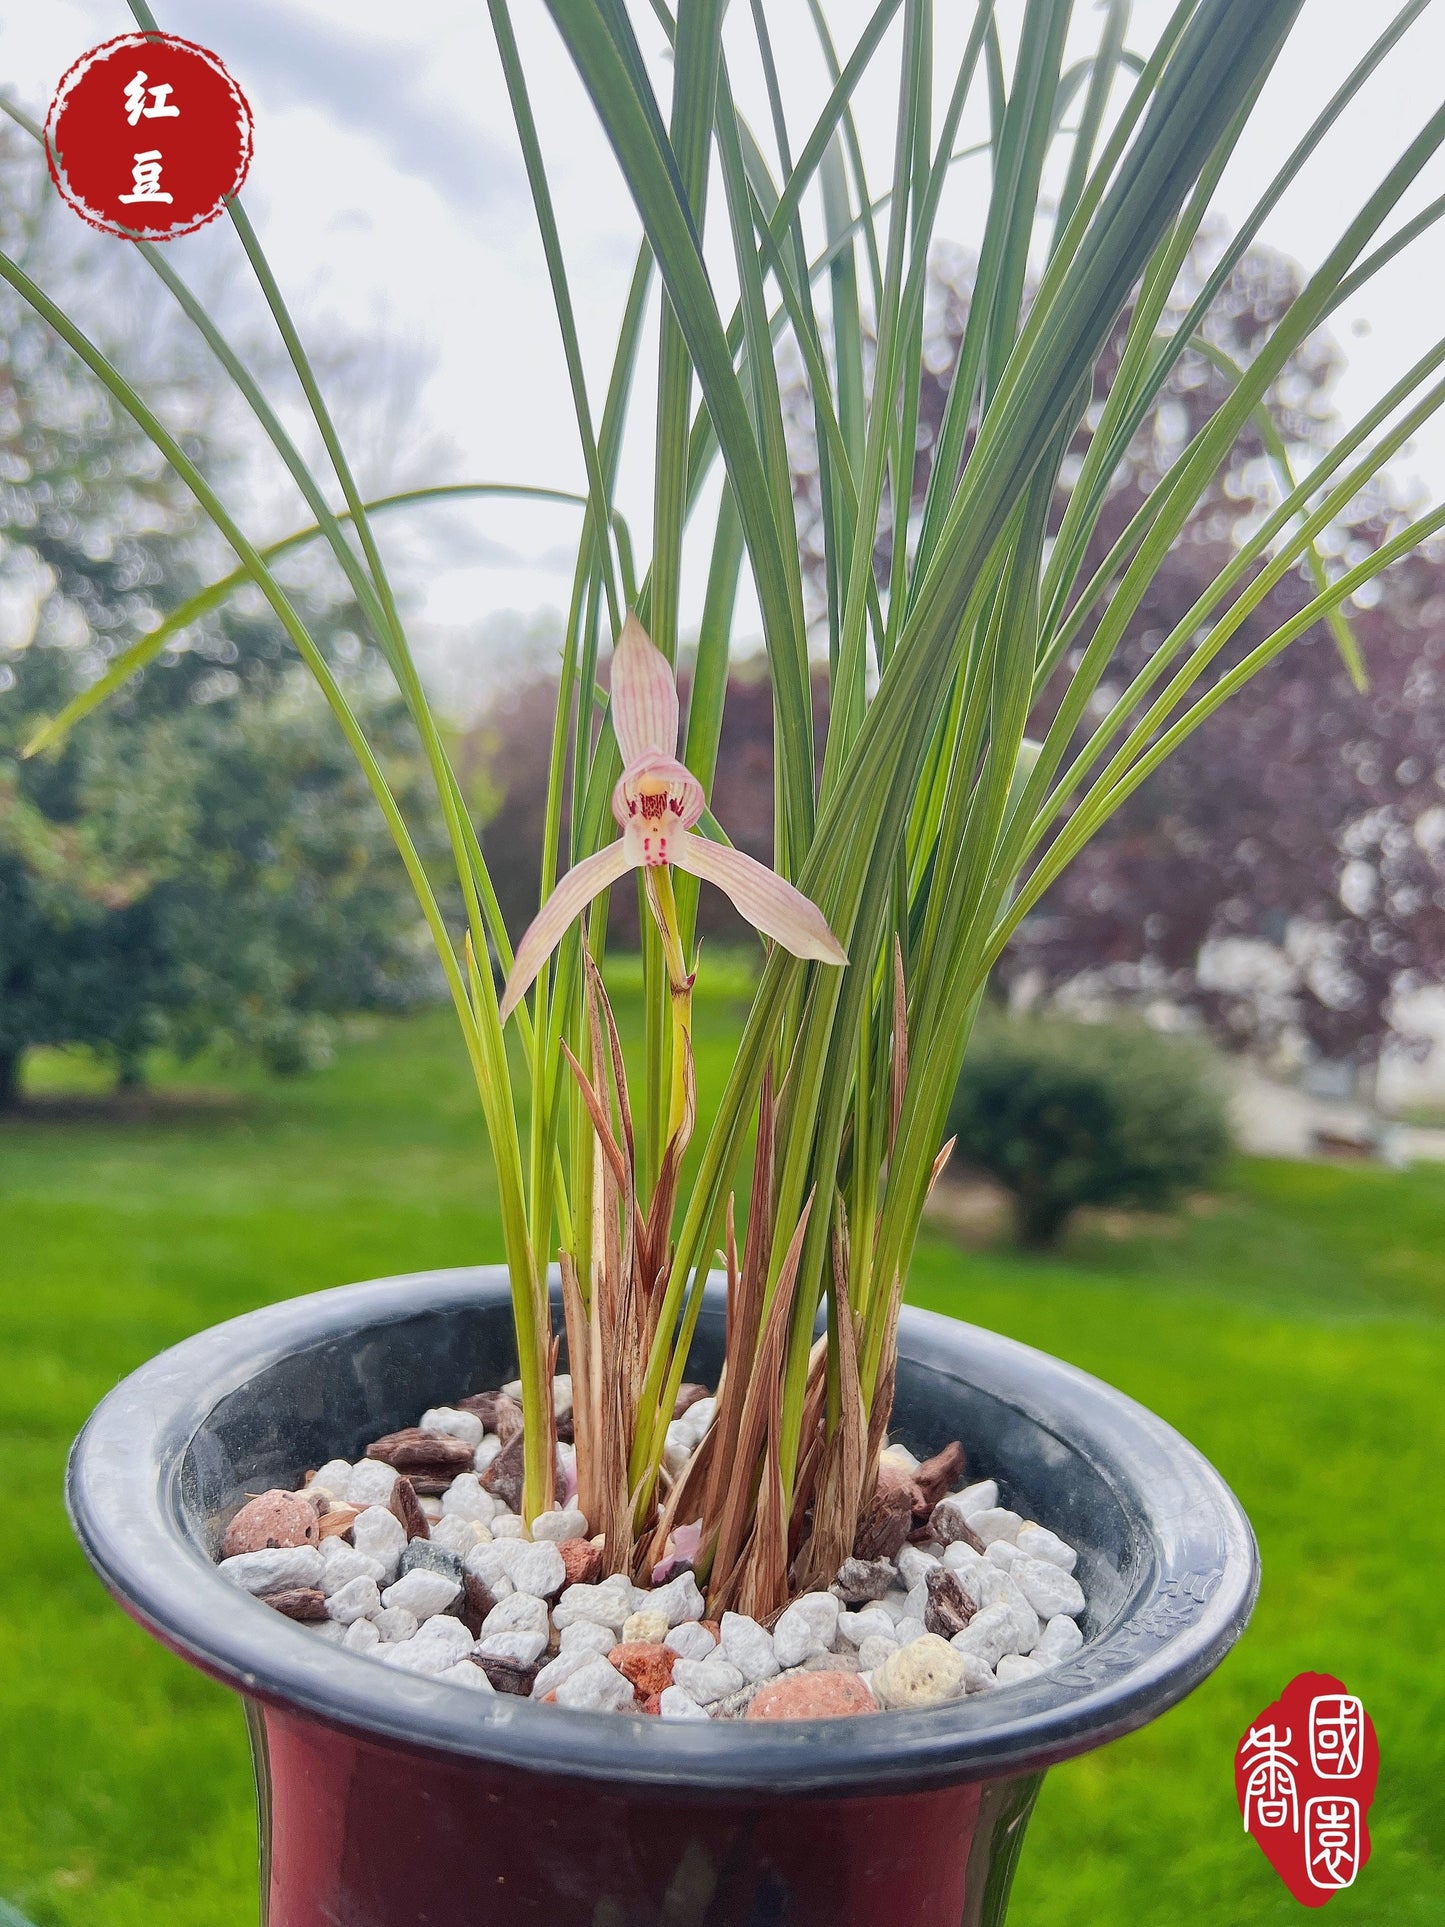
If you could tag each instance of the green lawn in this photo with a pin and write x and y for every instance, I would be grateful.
(1293, 1331)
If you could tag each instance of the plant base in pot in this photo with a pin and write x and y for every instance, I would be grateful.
(391, 1800)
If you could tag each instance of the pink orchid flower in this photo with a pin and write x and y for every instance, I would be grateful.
(656, 802)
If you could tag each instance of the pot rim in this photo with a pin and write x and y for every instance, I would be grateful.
(1197, 1580)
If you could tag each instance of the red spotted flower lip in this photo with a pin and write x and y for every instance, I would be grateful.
(657, 799)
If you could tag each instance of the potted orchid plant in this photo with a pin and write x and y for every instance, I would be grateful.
(975, 740)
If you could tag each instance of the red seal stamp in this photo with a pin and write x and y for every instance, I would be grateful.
(148, 136)
(1305, 1775)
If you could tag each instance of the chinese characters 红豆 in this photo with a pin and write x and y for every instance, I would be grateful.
(146, 171)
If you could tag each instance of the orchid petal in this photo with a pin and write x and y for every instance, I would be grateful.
(768, 901)
(686, 1540)
(583, 881)
(644, 695)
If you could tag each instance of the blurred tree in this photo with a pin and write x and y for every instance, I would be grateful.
(200, 861)
(1284, 874)
(1308, 819)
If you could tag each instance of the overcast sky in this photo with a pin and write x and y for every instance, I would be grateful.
(388, 191)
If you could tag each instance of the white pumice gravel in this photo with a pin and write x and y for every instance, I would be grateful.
(874, 1650)
(914, 1565)
(464, 1673)
(959, 1556)
(422, 1592)
(975, 1498)
(680, 1599)
(465, 1498)
(492, 1564)
(1039, 1543)
(607, 1604)
(990, 1634)
(416, 1656)
(333, 1478)
(381, 1536)
(276, 1569)
(459, 1535)
(597, 1686)
(357, 1599)
(1017, 1574)
(676, 1448)
(586, 1636)
(445, 1632)
(537, 1568)
(674, 1704)
(563, 1667)
(1016, 1666)
(370, 1483)
(688, 1641)
(696, 1419)
(341, 1563)
(807, 1627)
(520, 1645)
(872, 1622)
(706, 1680)
(994, 1522)
(453, 1424)
(563, 1522)
(999, 1588)
(518, 1613)
(977, 1678)
(1047, 1587)
(1059, 1640)
(746, 1646)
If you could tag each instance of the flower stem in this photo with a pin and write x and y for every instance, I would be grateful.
(679, 987)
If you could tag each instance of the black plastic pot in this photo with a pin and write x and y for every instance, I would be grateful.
(389, 1800)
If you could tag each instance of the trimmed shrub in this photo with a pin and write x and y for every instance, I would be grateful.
(1064, 1114)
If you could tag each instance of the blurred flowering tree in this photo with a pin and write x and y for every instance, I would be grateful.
(1311, 826)
(198, 862)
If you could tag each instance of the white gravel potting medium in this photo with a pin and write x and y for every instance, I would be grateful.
(424, 1564)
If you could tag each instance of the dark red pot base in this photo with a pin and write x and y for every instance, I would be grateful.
(360, 1834)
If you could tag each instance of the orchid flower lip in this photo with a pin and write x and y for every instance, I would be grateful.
(657, 802)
